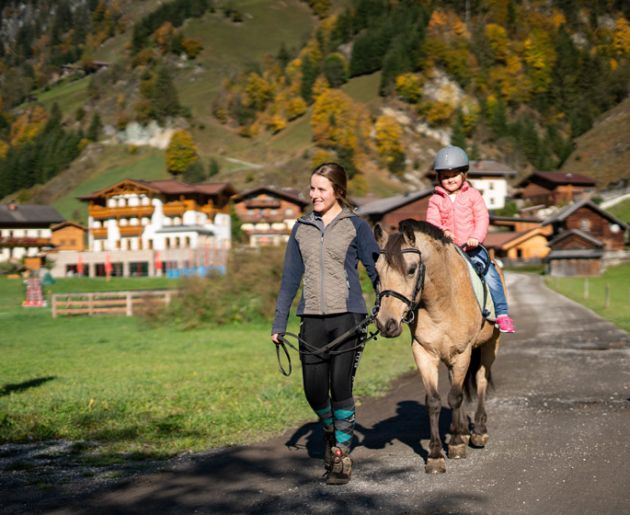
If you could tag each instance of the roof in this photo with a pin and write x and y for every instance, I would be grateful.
(68, 224)
(559, 178)
(576, 232)
(564, 213)
(485, 168)
(200, 229)
(24, 215)
(385, 205)
(170, 187)
(291, 195)
(575, 253)
(506, 239)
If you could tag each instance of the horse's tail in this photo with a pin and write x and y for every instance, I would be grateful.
(470, 381)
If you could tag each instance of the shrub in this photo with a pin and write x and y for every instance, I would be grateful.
(247, 293)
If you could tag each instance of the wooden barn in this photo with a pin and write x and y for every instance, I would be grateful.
(555, 188)
(590, 219)
(392, 210)
(574, 252)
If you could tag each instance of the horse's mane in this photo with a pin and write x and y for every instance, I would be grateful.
(393, 247)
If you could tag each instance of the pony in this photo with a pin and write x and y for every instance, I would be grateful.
(424, 282)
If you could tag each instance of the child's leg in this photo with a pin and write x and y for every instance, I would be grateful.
(479, 256)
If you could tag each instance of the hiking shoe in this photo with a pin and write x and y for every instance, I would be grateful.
(341, 470)
(505, 324)
(329, 443)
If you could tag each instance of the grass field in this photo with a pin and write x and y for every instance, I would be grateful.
(616, 279)
(621, 210)
(152, 391)
(146, 164)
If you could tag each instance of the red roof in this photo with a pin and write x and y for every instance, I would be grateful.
(171, 187)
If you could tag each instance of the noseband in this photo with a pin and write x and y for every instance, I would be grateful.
(413, 301)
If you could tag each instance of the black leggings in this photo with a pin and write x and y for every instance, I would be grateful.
(329, 377)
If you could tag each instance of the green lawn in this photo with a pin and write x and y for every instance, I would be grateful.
(616, 279)
(621, 211)
(136, 388)
(69, 95)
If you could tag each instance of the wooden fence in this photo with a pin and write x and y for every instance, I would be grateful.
(109, 303)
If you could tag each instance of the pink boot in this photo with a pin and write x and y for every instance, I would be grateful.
(505, 324)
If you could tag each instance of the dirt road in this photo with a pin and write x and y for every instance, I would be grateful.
(559, 423)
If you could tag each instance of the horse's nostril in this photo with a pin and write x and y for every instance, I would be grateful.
(391, 326)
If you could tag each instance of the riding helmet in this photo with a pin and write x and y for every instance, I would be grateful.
(451, 158)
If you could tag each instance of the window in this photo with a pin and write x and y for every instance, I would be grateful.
(585, 224)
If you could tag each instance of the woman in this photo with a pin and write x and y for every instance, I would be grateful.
(324, 249)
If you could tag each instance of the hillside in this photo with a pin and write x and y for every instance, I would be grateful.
(269, 88)
(604, 151)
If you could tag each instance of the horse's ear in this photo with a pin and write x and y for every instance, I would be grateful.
(380, 235)
(407, 229)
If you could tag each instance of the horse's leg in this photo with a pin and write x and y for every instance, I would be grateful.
(428, 367)
(459, 424)
(479, 437)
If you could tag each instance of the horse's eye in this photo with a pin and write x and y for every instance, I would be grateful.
(412, 270)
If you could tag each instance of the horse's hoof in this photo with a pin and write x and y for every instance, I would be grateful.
(479, 440)
(457, 451)
(435, 466)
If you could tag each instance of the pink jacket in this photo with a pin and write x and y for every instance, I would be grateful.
(465, 218)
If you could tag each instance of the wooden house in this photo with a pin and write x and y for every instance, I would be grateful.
(590, 219)
(68, 236)
(518, 246)
(389, 212)
(268, 214)
(555, 188)
(574, 252)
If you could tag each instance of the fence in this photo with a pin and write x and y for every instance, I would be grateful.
(109, 303)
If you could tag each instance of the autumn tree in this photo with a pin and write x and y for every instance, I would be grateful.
(181, 152)
(388, 133)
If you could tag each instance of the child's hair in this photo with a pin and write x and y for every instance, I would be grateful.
(337, 176)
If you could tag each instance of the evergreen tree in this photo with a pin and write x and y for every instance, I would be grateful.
(164, 97)
(335, 70)
(458, 136)
(310, 71)
(96, 126)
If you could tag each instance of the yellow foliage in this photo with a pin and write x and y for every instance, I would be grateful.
(276, 123)
(438, 20)
(334, 120)
(4, 149)
(387, 138)
(358, 185)
(181, 152)
(513, 83)
(163, 35)
(439, 113)
(409, 87)
(320, 86)
(621, 37)
(540, 57)
(258, 91)
(28, 125)
(558, 19)
(498, 41)
(322, 156)
(296, 107)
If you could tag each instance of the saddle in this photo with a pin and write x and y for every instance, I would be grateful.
(482, 292)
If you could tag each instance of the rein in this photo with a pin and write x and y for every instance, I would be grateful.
(328, 348)
(411, 302)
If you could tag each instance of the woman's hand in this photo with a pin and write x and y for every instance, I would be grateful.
(275, 338)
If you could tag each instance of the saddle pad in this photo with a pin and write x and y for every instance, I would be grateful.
(478, 287)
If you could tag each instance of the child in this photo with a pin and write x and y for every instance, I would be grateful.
(459, 210)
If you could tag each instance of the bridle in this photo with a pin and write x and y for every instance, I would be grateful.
(412, 302)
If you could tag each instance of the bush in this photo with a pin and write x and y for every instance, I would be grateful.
(247, 293)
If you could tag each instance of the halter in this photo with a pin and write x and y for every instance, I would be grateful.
(411, 302)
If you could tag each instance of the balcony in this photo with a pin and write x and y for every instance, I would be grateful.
(131, 230)
(101, 213)
(179, 207)
(99, 233)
